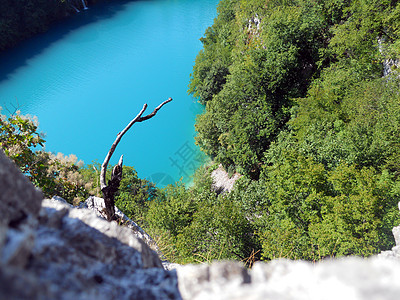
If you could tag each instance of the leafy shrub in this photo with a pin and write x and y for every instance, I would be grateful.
(53, 174)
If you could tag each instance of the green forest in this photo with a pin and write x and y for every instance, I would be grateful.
(22, 19)
(301, 98)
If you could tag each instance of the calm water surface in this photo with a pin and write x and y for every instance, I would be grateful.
(91, 74)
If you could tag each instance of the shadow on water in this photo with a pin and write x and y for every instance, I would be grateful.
(12, 59)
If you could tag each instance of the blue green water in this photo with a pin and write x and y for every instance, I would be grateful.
(90, 75)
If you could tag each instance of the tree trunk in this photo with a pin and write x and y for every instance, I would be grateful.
(112, 187)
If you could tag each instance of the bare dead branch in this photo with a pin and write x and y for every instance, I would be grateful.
(113, 184)
(141, 119)
(113, 146)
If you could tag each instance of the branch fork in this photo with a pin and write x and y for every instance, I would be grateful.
(112, 187)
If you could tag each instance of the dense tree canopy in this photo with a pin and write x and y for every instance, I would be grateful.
(54, 174)
(302, 98)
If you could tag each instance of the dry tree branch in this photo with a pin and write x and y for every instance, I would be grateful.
(116, 176)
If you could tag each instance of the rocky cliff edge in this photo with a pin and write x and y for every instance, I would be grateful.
(49, 250)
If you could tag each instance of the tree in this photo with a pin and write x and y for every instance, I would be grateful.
(109, 190)
(302, 102)
(53, 174)
(195, 224)
(134, 195)
(275, 55)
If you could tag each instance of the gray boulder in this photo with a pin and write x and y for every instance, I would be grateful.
(349, 278)
(86, 257)
(50, 250)
(20, 203)
(395, 252)
(97, 205)
(19, 199)
(222, 183)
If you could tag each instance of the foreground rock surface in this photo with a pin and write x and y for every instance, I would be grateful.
(76, 255)
(58, 252)
(97, 205)
(49, 250)
(349, 278)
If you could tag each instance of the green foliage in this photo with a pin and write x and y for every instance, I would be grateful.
(211, 68)
(167, 217)
(353, 221)
(91, 176)
(197, 225)
(304, 113)
(347, 134)
(134, 195)
(294, 189)
(312, 213)
(273, 45)
(53, 174)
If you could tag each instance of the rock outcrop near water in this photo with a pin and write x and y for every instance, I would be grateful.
(222, 183)
(50, 250)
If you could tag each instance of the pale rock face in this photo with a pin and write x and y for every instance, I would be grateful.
(395, 252)
(55, 212)
(86, 257)
(389, 64)
(396, 234)
(97, 205)
(20, 203)
(51, 250)
(349, 278)
(221, 181)
(77, 255)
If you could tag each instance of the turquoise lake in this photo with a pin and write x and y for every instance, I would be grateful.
(90, 75)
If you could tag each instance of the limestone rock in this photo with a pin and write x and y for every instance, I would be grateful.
(222, 183)
(86, 257)
(97, 205)
(51, 250)
(211, 281)
(169, 266)
(396, 234)
(19, 199)
(18, 246)
(71, 219)
(77, 255)
(20, 203)
(395, 252)
(350, 278)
